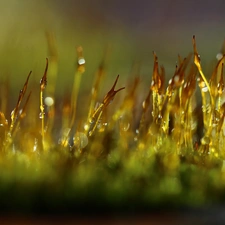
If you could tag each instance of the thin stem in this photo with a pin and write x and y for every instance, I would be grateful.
(43, 84)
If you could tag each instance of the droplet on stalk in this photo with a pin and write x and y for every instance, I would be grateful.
(80, 140)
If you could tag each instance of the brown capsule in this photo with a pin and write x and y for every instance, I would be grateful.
(111, 94)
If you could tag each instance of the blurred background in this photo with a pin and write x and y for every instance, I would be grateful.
(132, 29)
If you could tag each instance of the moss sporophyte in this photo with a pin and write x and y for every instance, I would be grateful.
(160, 145)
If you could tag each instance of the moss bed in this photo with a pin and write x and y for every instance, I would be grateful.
(156, 152)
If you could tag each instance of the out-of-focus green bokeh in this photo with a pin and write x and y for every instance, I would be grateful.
(133, 29)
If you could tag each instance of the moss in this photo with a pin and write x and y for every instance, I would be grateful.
(140, 153)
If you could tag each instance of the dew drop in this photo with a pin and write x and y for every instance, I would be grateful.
(35, 145)
(86, 126)
(124, 123)
(12, 113)
(219, 56)
(41, 115)
(205, 89)
(126, 127)
(176, 78)
(80, 140)
(205, 140)
(49, 101)
(144, 104)
(81, 61)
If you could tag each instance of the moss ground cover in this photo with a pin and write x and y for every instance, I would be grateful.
(163, 150)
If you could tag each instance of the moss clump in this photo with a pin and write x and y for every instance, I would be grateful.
(160, 151)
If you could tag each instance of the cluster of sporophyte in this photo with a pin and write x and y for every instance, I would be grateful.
(164, 147)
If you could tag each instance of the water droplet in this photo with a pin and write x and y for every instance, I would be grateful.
(176, 78)
(80, 140)
(86, 126)
(91, 121)
(144, 104)
(159, 119)
(49, 101)
(12, 113)
(81, 61)
(125, 128)
(35, 145)
(205, 89)
(41, 115)
(205, 140)
(219, 56)
(124, 123)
